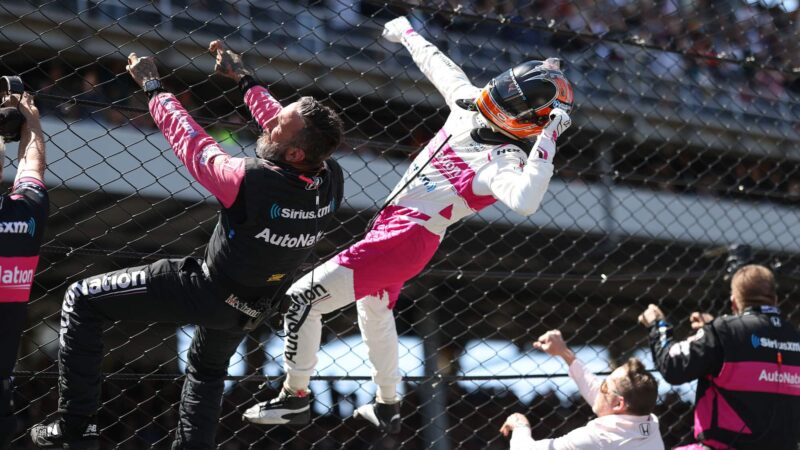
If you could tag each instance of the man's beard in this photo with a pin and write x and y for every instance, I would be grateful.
(272, 151)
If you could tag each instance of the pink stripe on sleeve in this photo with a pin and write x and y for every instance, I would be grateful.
(262, 105)
(206, 161)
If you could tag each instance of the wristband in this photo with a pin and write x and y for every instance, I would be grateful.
(664, 330)
(247, 82)
(152, 87)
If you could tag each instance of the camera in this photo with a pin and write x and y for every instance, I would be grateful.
(739, 255)
(11, 120)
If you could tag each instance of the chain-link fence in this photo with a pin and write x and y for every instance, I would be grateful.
(685, 140)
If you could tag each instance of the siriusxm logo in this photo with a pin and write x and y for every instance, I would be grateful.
(19, 227)
(275, 212)
(774, 344)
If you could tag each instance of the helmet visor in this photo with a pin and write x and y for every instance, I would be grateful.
(539, 92)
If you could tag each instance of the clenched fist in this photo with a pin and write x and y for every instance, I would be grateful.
(142, 69)
(229, 64)
(651, 315)
(515, 420)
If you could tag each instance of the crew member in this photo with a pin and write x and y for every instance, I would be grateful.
(23, 215)
(250, 258)
(747, 367)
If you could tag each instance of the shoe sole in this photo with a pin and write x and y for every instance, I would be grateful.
(83, 446)
(286, 418)
(75, 446)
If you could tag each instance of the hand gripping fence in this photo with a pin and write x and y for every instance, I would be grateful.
(684, 143)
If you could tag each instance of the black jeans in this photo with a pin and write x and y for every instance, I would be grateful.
(169, 290)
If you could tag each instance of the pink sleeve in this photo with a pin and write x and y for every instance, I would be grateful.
(207, 163)
(262, 105)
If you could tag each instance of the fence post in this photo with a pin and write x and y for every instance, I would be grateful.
(432, 394)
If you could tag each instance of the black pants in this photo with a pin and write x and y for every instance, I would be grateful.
(174, 291)
(12, 322)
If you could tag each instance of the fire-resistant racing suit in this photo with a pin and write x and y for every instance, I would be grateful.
(463, 176)
(271, 217)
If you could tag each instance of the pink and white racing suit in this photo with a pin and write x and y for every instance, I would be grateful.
(464, 177)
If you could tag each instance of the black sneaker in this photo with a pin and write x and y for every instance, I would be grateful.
(54, 435)
(386, 417)
(285, 409)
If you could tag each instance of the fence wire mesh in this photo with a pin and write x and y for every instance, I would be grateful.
(685, 140)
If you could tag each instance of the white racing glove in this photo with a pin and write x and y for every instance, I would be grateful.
(394, 29)
(559, 122)
(545, 145)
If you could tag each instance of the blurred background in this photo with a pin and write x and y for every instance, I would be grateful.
(684, 143)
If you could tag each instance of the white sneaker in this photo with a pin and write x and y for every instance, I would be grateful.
(285, 409)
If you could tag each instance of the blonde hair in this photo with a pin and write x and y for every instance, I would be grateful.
(754, 285)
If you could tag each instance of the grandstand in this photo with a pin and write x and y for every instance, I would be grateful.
(685, 141)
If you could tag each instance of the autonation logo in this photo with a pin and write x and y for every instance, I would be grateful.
(275, 212)
(19, 227)
(289, 241)
(775, 376)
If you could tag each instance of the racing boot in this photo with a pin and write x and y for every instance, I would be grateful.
(382, 415)
(286, 409)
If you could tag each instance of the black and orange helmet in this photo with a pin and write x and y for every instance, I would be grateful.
(519, 100)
